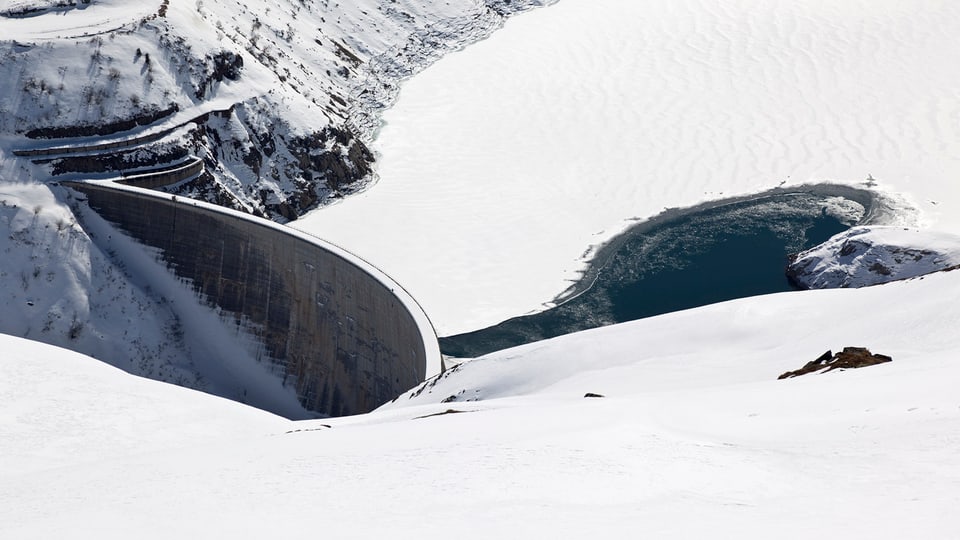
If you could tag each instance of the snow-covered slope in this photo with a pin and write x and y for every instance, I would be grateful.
(63, 410)
(59, 288)
(865, 256)
(733, 343)
(695, 438)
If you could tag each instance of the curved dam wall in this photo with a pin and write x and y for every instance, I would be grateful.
(346, 335)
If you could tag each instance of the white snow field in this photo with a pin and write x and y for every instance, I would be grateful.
(502, 163)
(695, 438)
(62, 409)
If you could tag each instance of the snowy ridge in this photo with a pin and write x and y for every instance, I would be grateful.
(865, 256)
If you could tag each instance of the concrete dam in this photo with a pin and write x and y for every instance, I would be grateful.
(337, 328)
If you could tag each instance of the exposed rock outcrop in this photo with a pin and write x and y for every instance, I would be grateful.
(848, 358)
(143, 118)
(871, 255)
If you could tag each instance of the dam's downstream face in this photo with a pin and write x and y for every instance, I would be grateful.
(343, 334)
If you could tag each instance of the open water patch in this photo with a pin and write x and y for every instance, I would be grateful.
(686, 258)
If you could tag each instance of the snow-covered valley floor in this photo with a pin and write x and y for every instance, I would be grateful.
(695, 436)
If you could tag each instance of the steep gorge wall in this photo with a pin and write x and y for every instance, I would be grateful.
(338, 329)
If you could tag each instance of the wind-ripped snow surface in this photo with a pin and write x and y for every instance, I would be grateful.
(502, 163)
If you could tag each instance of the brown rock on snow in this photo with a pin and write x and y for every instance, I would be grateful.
(849, 358)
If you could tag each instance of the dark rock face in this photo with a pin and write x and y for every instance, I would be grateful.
(224, 65)
(227, 65)
(878, 268)
(119, 162)
(848, 358)
(145, 118)
(336, 154)
(304, 171)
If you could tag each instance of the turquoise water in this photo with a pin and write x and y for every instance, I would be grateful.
(730, 251)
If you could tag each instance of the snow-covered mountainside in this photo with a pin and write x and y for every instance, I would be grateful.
(60, 289)
(279, 98)
(865, 256)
